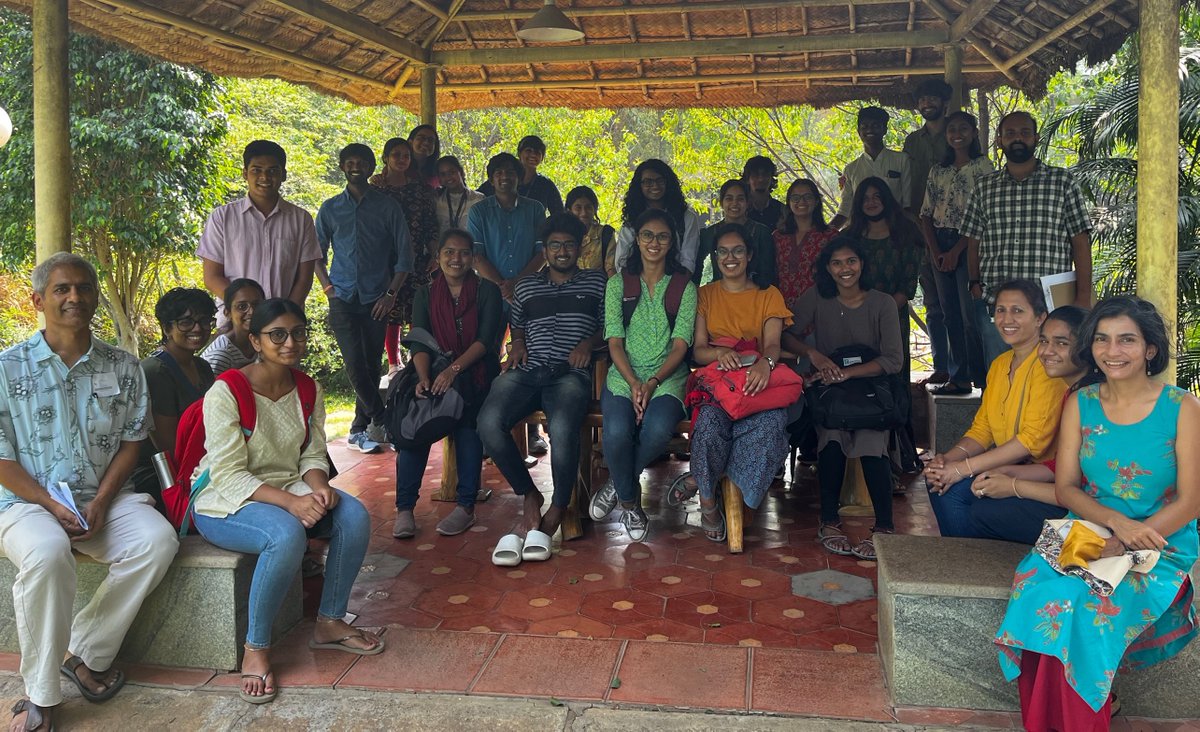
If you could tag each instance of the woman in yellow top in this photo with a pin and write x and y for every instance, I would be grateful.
(751, 449)
(1018, 420)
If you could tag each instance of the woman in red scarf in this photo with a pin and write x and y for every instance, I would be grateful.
(464, 314)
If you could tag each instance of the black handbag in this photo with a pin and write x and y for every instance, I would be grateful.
(415, 423)
(868, 403)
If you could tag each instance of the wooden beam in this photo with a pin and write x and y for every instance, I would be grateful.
(138, 10)
(1158, 161)
(970, 17)
(354, 25)
(976, 43)
(443, 24)
(1066, 25)
(405, 75)
(51, 128)
(952, 57)
(702, 47)
(714, 6)
(429, 95)
(430, 8)
(762, 77)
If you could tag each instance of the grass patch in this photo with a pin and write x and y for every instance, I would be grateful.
(339, 413)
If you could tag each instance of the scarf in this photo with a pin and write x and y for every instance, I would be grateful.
(444, 316)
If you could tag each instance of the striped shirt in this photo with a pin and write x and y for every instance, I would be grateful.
(556, 318)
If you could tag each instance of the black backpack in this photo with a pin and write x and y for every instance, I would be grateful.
(870, 403)
(414, 423)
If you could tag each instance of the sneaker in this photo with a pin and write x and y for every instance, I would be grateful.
(603, 502)
(538, 446)
(361, 442)
(405, 526)
(456, 522)
(636, 523)
(376, 433)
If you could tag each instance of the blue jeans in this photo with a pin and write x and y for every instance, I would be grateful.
(515, 394)
(962, 330)
(279, 539)
(962, 513)
(468, 459)
(628, 446)
(953, 509)
(993, 344)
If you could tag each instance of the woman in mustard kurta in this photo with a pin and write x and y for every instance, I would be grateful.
(1017, 421)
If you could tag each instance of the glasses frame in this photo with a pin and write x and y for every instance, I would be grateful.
(279, 336)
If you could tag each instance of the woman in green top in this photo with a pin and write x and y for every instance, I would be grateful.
(643, 396)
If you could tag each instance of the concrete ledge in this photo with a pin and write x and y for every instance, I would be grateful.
(940, 603)
(197, 617)
(950, 417)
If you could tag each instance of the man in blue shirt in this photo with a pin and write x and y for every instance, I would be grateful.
(73, 414)
(372, 256)
(505, 228)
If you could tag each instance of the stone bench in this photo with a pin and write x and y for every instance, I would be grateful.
(940, 603)
(196, 617)
(949, 418)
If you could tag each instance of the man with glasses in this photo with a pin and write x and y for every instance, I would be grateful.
(261, 236)
(73, 414)
(1024, 221)
(557, 318)
(372, 256)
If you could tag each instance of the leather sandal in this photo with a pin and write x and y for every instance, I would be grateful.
(34, 716)
(714, 529)
(70, 669)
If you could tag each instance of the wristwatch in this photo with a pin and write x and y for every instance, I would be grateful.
(972, 283)
(455, 368)
(391, 293)
(770, 362)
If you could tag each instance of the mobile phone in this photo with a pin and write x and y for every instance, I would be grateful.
(747, 359)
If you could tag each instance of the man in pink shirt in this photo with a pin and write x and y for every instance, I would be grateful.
(261, 236)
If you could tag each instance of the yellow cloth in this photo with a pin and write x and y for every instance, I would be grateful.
(1081, 546)
(1032, 397)
(740, 314)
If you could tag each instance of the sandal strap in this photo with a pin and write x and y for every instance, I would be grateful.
(260, 677)
(34, 717)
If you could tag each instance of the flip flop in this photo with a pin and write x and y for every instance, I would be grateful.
(340, 645)
(508, 551)
(72, 664)
(261, 698)
(34, 717)
(537, 546)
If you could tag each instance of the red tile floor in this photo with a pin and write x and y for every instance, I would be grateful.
(675, 621)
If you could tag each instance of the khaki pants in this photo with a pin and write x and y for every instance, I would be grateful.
(137, 543)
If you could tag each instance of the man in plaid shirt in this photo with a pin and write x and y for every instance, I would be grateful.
(1026, 220)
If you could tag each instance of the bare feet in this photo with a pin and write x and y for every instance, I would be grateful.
(256, 665)
(336, 631)
(531, 512)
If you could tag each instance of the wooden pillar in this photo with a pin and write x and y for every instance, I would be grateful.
(1158, 160)
(429, 95)
(984, 119)
(952, 55)
(51, 129)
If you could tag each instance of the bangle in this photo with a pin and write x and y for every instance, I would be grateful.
(655, 377)
(328, 287)
(958, 471)
(965, 451)
(1014, 487)
(969, 468)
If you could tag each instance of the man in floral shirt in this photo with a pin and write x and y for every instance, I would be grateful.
(73, 412)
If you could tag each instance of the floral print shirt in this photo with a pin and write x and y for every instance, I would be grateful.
(949, 188)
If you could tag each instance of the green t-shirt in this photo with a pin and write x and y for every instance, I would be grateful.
(649, 338)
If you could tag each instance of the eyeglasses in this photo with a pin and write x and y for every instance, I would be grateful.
(655, 182)
(556, 245)
(279, 336)
(244, 306)
(801, 198)
(646, 236)
(735, 253)
(189, 323)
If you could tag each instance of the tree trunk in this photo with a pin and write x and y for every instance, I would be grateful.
(114, 299)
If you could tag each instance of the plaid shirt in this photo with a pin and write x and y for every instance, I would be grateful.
(1024, 227)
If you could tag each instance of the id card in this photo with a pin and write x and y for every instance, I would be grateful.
(105, 385)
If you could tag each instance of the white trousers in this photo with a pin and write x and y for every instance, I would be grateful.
(137, 543)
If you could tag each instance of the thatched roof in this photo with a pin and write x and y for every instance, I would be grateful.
(636, 53)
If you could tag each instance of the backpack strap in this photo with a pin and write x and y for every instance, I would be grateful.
(306, 389)
(606, 238)
(243, 394)
(631, 293)
(674, 296)
(177, 372)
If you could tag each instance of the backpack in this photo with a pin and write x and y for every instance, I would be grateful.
(189, 440)
(872, 402)
(632, 286)
(418, 423)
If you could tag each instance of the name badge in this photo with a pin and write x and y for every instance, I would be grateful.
(105, 385)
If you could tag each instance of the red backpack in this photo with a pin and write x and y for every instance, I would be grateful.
(631, 293)
(189, 440)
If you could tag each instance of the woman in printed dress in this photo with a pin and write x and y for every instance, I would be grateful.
(402, 180)
(1137, 441)
(801, 235)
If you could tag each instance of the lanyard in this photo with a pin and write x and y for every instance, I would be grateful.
(456, 213)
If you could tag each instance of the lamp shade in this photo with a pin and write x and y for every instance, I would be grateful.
(549, 25)
(5, 127)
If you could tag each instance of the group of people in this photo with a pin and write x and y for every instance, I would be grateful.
(519, 302)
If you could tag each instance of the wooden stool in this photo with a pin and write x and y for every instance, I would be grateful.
(732, 497)
(855, 499)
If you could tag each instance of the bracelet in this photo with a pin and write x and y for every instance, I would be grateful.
(327, 288)
(965, 451)
(655, 377)
(1014, 487)
(969, 468)
(958, 471)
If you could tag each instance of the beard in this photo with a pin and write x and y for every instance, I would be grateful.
(1018, 153)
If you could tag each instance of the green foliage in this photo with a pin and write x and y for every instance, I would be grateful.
(142, 135)
(323, 358)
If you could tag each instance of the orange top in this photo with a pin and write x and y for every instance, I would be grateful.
(740, 314)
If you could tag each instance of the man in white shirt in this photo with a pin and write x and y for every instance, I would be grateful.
(892, 166)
